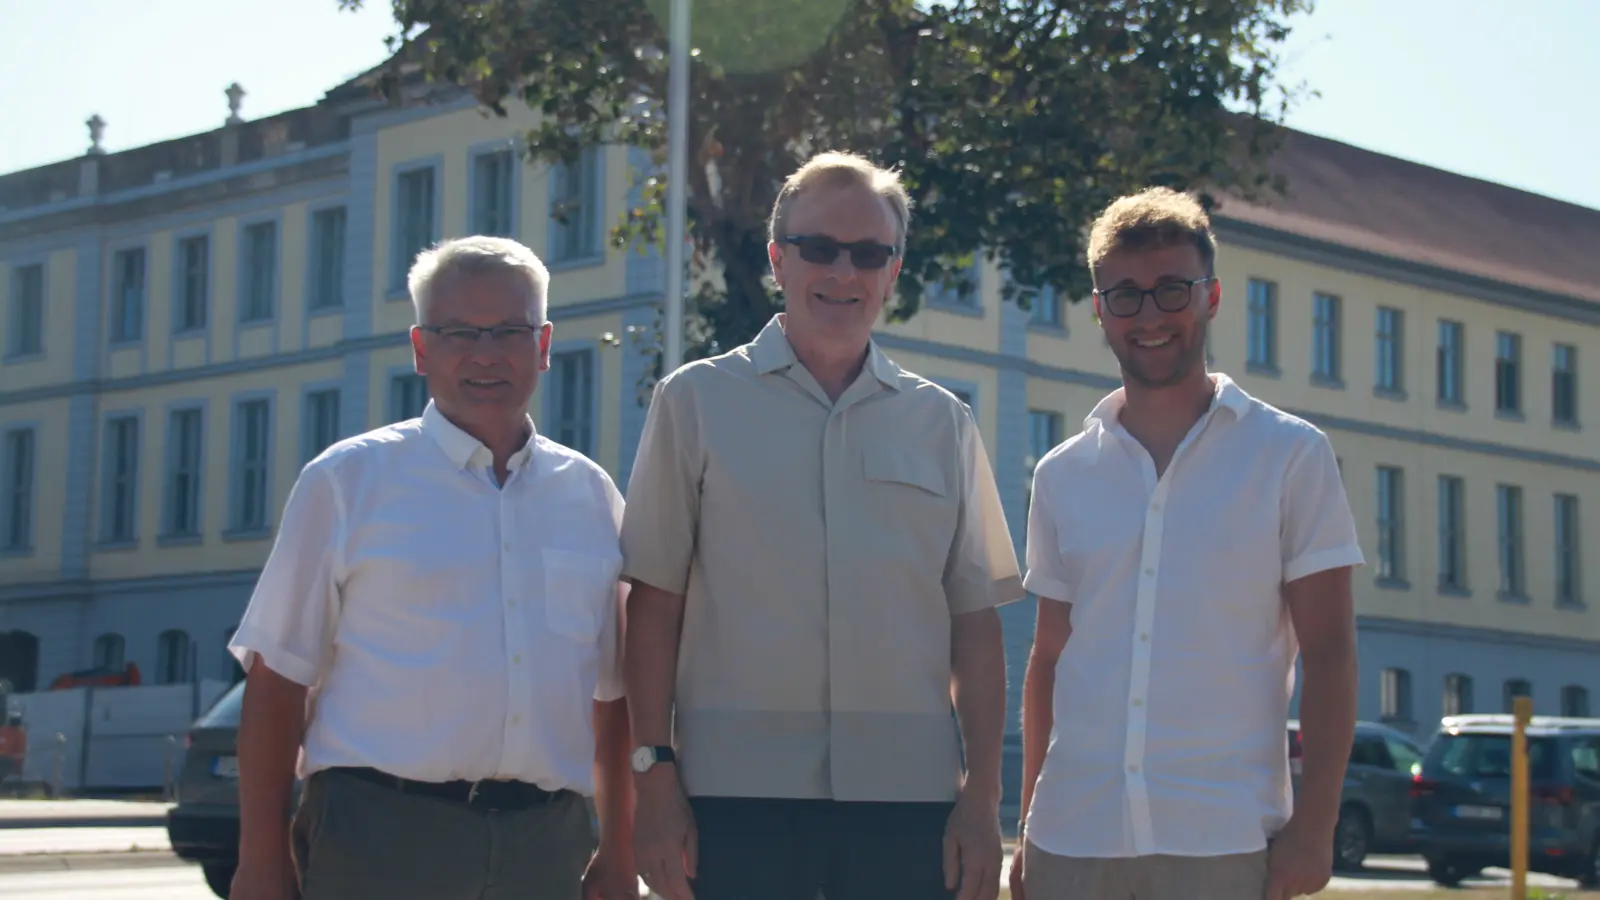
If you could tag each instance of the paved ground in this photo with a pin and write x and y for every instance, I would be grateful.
(169, 882)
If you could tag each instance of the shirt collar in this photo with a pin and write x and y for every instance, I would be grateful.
(462, 448)
(1226, 395)
(772, 352)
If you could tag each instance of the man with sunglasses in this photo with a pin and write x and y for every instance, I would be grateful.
(1184, 548)
(816, 549)
(445, 590)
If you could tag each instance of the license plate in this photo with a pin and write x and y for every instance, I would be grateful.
(225, 767)
(1486, 813)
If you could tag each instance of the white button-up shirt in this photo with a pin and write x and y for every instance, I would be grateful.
(1172, 693)
(449, 627)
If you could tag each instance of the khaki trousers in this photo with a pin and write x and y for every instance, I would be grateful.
(353, 839)
(1046, 876)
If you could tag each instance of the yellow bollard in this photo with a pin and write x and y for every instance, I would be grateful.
(1522, 709)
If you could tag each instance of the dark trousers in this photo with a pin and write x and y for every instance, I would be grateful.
(353, 839)
(794, 849)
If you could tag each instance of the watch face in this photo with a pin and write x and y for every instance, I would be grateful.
(643, 758)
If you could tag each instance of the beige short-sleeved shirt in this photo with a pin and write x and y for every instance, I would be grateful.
(822, 548)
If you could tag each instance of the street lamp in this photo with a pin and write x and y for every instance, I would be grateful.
(677, 174)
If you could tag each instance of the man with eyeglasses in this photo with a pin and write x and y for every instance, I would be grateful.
(817, 549)
(445, 593)
(1185, 547)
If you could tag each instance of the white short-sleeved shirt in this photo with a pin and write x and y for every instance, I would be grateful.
(448, 628)
(1172, 694)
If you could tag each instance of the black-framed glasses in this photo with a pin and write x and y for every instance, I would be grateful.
(466, 336)
(823, 250)
(1171, 296)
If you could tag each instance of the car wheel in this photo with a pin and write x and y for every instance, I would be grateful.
(220, 879)
(1589, 875)
(1447, 871)
(1352, 838)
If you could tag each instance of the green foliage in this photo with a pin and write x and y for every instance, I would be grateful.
(1012, 122)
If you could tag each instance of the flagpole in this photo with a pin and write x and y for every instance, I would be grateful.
(677, 175)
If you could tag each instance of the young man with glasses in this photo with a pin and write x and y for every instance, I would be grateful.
(446, 590)
(816, 548)
(1185, 547)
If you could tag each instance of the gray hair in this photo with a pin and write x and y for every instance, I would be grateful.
(456, 258)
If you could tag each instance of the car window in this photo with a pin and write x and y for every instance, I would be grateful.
(1488, 756)
(1586, 758)
(1368, 750)
(225, 712)
(1404, 756)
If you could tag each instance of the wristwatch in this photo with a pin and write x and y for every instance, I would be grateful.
(647, 756)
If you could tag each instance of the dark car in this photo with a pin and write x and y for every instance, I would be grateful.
(1375, 805)
(1462, 798)
(203, 825)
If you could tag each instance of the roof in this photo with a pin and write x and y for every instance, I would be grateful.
(1502, 723)
(1356, 198)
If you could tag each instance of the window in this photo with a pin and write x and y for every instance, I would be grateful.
(1391, 524)
(1044, 433)
(327, 258)
(172, 658)
(1575, 701)
(1507, 372)
(1326, 364)
(960, 289)
(1508, 502)
(19, 466)
(1457, 695)
(194, 283)
(1514, 688)
(1047, 309)
(1263, 324)
(1405, 757)
(964, 396)
(1389, 354)
(1370, 750)
(1569, 574)
(110, 651)
(27, 310)
(119, 516)
(185, 443)
(413, 220)
(127, 296)
(1395, 699)
(252, 436)
(230, 663)
(260, 267)
(321, 421)
(569, 402)
(1451, 358)
(1564, 384)
(1586, 755)
(408, 396)
(575, 208)
(1452, 533)
(492, 193)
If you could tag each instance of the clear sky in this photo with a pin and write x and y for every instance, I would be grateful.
(1507, 90)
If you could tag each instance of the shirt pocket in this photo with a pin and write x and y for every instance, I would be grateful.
(579, 590)
(906, 467)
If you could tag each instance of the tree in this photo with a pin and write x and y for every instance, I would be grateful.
(1012, 122)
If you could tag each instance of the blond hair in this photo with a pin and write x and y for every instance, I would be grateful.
(836, 168)
(1153, 219)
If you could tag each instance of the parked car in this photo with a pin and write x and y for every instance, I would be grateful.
(1375, 805)
(203, 825)
(1463, 798)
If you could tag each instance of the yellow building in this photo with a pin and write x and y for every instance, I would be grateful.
(187, 323)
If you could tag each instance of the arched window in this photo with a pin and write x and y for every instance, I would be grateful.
(1575, 701)
(172, 657)
(1457, 695)
(19, 660)
(1516, 687)
(110, 651)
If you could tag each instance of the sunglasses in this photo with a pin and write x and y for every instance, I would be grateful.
(824, 250)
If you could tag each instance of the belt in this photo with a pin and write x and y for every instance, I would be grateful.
(507, 796)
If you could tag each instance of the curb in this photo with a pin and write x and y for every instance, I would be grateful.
(144, 821)
(67, 862)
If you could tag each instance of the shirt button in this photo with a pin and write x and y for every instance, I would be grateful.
(516, 720)
(1145, 636)
(1137, 702)
(1149, 572)
(1155, 506)
(1133, 769)
(517, 658)
(506, 546)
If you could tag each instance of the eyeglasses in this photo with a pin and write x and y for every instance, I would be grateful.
(824, 250)
(463, 337)
(1171, 297)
